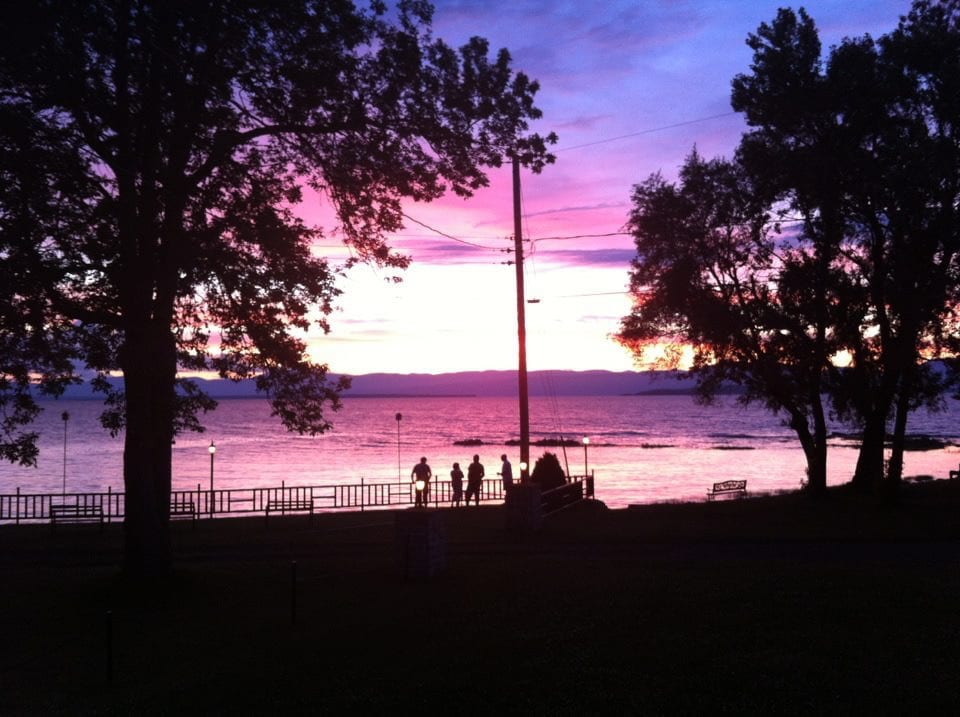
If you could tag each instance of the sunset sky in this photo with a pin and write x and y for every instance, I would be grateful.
(630, 86)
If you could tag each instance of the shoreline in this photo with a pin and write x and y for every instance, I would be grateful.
(664, 451)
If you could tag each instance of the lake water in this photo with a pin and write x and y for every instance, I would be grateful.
(642, 448)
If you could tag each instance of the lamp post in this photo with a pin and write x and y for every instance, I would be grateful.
(586, 442)
(213, 450)
(398, 417)
(66, 417)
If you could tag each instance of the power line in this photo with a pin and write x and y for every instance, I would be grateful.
(646, 131)
(599, 293)
(565, 149)
(493, 248)
(449, 236)
(583, 236)
(579, 296)
(425, 235)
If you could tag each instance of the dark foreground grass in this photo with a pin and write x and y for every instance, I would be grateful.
(763, 606)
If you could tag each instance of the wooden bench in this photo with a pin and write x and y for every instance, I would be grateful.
(182, 509)
(735, 488)
(290, 505)
(76, 514)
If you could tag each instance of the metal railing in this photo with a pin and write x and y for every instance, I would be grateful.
(36, 507)
(22, 507)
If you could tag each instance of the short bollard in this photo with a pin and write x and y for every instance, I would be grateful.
(293, 592)
(108, 623)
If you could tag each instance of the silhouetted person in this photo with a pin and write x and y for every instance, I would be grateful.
(506, 470)
(456, 480)
(475, 475)
(422, 472)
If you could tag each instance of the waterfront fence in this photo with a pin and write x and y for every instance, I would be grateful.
(23, 507)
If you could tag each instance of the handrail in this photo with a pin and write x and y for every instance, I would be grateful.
(561, 497)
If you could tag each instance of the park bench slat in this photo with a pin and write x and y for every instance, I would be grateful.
(290, 505)
(183, 509)
(736, 488)
(76, 514)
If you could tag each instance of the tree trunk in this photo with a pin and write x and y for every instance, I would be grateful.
(895, 474)
(817, 456)
(814, 450)
(816, 470)
(149, 370)
(869, 471)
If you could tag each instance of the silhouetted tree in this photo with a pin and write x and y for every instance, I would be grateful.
(866, 150)
(150, 157)
(547, 472)
(711, 272)
(858, 161)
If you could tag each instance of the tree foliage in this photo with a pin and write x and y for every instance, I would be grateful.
(856, 161)
(547, 472)
(711, 272)
(868, 156)
(153, 154)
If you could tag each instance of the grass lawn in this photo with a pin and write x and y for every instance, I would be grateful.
(767, 605)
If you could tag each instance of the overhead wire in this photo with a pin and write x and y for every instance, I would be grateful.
(597, 293)
(646, 131)
(532, 241)
(583, 236)
(449, 236)
(581, 146)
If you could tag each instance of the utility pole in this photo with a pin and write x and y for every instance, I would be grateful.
(522, 503)
(521, 326)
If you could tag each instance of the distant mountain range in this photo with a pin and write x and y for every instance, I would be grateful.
(539, 383)
(476, 383)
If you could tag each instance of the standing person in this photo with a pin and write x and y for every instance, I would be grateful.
(475, 475)
(456, 480)
(506, 470)
(422, 472)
